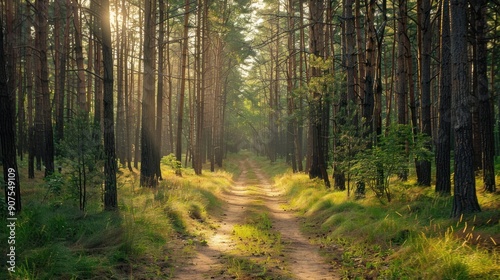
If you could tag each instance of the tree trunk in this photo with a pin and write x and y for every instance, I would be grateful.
(41, 45)
(159, 94)
(486, 121)
(148, 151)
(319, 115)
(120, 102)
(465, 199)
(202, 57)
(180, 112)
(425, 35)
(137, 135)
(61, 80)
(291, 77)
(110, 166)
(82, 95)
(402, 70)
(31, 129)
(7, 136)
(369, 99)
(443, 140)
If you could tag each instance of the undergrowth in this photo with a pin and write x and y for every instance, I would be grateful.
(56, 240)
(413, 237)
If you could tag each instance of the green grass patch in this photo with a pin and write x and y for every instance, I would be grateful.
(256, 236)
(413, 237)
(55, 240)
(258, 249)
(245, 268)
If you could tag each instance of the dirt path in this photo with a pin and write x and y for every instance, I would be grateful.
(301, 258)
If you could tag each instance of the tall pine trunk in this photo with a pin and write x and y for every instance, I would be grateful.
(425, 35)
(43, 77)
(7, 136)
(443, 140)
(465, 199)
(148, 160)
(486, 120)
(180, 112)
(319, 119)
(110, 166)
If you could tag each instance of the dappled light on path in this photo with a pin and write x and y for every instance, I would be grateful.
(221, 258)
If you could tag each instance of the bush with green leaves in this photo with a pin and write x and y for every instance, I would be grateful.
(81, 152)
(352, 138)
(173, 163)
(389, 157)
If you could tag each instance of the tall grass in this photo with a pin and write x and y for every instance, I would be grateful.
(55, 240)
(412, 237)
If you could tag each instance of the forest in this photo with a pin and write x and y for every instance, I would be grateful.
(250, 139)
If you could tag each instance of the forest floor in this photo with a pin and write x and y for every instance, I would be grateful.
(252, 219)
(235, 250)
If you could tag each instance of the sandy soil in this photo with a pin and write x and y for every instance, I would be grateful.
(301, 258)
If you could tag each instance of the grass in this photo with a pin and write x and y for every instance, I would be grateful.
(256, 236)
(411, 237)
(258, 253)
(151, 231)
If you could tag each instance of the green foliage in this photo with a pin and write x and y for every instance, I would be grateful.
(318, 84)
(172, 162)
(390, 157)
(351, 140)
(81, 152)
(55, 184)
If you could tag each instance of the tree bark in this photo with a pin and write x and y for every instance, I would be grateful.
(110, 165)
(148, 158)
(402, 71)
(319, 119)
(120, 40)
(425, 34)
(82, 95)
(159, 94)
(443, 140)
(486, 120)
(7, 135)
(41, 45)
(465, 199)
(180, 112)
